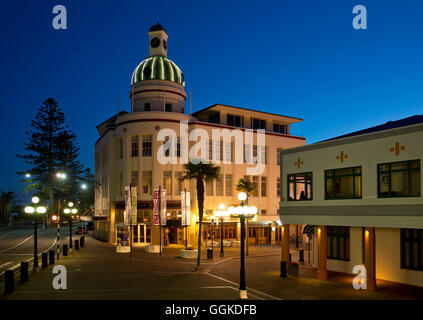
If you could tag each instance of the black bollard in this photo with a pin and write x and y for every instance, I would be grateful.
(51, 257)
(76, 244)
(290, 257)
(301, 255)
(9, 281)
(24, 271)
(283, 269)
(44, 263)
(65, 250)
(82, 241)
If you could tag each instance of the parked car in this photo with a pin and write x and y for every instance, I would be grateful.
(81, 230)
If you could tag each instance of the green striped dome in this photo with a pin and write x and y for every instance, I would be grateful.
(158, 68)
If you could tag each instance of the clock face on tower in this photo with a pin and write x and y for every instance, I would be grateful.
(155, 42)
(165, 44)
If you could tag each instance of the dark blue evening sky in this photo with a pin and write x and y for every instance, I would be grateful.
(298, 58)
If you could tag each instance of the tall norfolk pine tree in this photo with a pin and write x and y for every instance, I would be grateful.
(51, 148)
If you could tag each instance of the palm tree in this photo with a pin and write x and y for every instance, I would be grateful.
(200, 172)
(247, 186)
(7, 199)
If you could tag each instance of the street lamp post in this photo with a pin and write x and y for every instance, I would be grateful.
(221, 213)
(242, 212)
(70, 211)
(34, 210)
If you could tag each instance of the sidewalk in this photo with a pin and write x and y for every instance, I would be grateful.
(98, 272)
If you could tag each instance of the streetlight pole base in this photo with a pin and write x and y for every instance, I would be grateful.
(243, 294)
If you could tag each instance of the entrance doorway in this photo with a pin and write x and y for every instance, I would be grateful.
(141, 234)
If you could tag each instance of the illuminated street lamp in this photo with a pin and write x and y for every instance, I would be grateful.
(35, 209)
(221, 214)
(242, 212)
(70, 210)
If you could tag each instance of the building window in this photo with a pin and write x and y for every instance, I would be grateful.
(264, 186)
(280, 128)
(300, 186)
(134, 179)
(167, 181)
(168, 107)
(214, 118)
(134, 146)
(228, 185)
(147, 144)
(178, 182)
(263, 212)
(147, 107)
(228, 152)
(120, 148)
(258, 124)
(338, 243)
(412, 249)
(278, 187)
(219, 186)
(256, 186)
(209, 188)
(399, 179)
(178, 147)
(343, 183)
(235, 121)
(146, 182)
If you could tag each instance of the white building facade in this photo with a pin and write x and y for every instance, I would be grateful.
(362, 192)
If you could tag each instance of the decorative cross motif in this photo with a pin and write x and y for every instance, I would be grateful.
(298, 163)
(397, 148)
(342, 156)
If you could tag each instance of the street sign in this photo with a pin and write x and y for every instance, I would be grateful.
(156, 207)
(163, 208)
(134, 205)
(127, 217)
(186, 208)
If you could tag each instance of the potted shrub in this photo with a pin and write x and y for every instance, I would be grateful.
(293, 268)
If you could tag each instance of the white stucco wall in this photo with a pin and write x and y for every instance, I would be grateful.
(388, 259)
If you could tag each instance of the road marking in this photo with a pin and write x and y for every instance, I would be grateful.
(5, 264)
(5, 234)
(237, 284)
(16, 245)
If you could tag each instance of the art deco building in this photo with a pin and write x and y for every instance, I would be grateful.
(127, 149)
(362, 194)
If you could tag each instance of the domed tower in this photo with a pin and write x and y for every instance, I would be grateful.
(158, 83)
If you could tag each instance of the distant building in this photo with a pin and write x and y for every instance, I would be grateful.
(362, 194)
(127, 150)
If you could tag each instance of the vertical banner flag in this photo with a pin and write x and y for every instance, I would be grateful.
(126, 218)
(163, 207)
(134, 205)
(186, 208)
(156, 207)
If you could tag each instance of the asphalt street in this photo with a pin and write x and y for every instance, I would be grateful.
(17, 244)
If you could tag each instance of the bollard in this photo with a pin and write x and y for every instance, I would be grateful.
(301, 255)
(65, 250)
(76, 244)
(9, 281)
(290, 257)
(51, 257)
(82, 241)
(283, 269)
(44, 260)
(24, 271)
